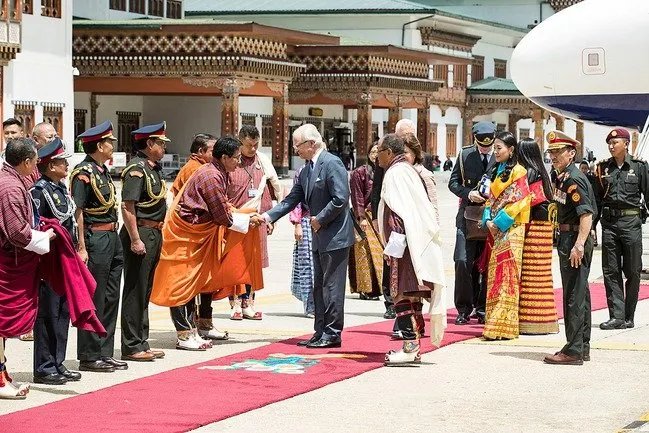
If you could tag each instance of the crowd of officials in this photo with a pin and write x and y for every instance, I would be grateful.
(379, 225)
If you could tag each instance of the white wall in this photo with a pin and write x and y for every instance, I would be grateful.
(519, 15)
(42, 71)
(185, 116)
(99, 10)
(109, 105)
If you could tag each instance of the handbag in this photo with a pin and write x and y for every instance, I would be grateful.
(474, 229)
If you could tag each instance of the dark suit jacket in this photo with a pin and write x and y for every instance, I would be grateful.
(473, 171)
(328, 200)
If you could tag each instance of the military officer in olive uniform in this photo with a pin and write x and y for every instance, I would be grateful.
(621, 182)
(144, 205)
(473, 161)
(52, 200)
(94, 194)
(575, 202)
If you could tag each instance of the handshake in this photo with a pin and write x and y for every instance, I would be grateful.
(256, 220)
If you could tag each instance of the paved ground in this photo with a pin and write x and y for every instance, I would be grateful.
(466, 387)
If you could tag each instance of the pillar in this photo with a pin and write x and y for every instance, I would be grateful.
(537, 117)
(423, 126)
(93, 110)
(394, 114)
(579, 136)
(230, 108)
(512, 124)
(467, 135)
(363, 127)
(280, 132)
(561, 121)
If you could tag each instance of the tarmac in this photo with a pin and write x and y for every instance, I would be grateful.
(465, 387)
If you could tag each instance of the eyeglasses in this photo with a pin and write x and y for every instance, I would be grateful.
(300, 144)
(382, 150)
(161, 143)
(557, 151)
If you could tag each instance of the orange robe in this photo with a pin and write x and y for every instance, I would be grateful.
(205, 257)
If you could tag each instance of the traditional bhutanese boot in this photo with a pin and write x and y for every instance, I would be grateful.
(9, 390)
(235, 312)
(206, 343)
(419, 318)
(409, 353)
(207, 330)
(248, 310)
(186, 341)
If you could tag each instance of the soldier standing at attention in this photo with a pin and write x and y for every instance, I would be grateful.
(574, 197)
(99, 245)
(52, 200)
(621, 182)
(144, 205)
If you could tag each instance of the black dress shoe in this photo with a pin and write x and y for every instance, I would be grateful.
(119, 365)
(481, 319)
(461, 319)
(98, 366)
(51, 379)
(305, 343)
(629, 324)
(71, 376)
(324, 344)
(613, 324)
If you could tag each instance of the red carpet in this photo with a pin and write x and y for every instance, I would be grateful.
(206, 393)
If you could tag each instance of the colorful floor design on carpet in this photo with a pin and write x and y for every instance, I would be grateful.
(201, 396)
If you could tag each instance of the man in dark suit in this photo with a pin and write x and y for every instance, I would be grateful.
(324, 187)
(472, 162)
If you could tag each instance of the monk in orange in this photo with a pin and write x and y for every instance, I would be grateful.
(206, 246)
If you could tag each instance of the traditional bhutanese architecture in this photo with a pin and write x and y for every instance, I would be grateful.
(230, 60)
(558, 5)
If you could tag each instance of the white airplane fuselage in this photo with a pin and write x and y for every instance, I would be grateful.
(589, 62)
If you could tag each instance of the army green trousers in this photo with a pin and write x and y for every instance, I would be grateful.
(138, 281)
(576, 295)
(622, 253)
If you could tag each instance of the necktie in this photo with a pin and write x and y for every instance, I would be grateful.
(309, 171)
(485, 162)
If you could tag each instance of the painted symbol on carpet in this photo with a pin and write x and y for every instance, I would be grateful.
(280, 363)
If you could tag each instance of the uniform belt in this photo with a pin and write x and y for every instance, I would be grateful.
(104, 227)
(143, 222)
(568, 227)
(622, 212)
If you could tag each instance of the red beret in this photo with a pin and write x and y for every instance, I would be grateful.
(618, 133)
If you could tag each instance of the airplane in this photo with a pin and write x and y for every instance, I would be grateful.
(589, 62)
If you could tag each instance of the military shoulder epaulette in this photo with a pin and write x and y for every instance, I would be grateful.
(468, 146)
(638, 159)
(40, 183)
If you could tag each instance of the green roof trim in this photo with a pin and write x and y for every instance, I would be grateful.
(197, 8)
(494, 85)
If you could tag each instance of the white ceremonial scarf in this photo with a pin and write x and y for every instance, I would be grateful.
(404, 193)
(270, 174)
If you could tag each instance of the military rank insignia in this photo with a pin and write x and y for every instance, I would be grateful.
(576, 197)
(571, 188)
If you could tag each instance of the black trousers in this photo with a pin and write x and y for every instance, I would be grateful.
(470, 285)
(138, 281)
(183, 316)
(105, 263)
(50, 331)
(622, 253)
(576, 295)
(329, 278)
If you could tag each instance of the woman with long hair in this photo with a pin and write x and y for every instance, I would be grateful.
(366, 255)
(537, 313)
(507, 210)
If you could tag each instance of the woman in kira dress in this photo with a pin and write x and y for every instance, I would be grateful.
(507, 211)
(537, 312)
